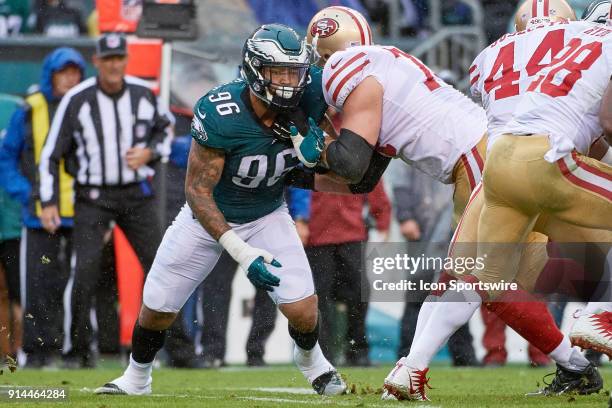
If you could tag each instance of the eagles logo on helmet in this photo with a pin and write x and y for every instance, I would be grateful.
(275, 64)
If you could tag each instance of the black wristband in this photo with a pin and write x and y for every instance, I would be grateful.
(376, 168)
(301, 177)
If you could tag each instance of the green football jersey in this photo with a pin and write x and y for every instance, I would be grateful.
(256, 162)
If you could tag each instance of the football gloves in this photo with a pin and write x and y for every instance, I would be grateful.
(309, 146)
(285, 119)
(251, 260)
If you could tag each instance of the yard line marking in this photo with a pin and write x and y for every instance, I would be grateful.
(275, 390)
(336, 401)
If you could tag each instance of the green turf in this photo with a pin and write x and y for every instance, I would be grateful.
(239, 387)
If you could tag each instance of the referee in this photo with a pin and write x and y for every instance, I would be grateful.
(107, 130)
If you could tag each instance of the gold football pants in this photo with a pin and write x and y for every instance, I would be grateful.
(521, 189)
(466, 176)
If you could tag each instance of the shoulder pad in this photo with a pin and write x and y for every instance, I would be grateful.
(342, 73)
(204, 125)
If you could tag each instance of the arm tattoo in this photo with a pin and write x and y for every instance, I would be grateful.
(203, 173)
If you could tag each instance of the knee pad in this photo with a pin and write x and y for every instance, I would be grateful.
(305, 341)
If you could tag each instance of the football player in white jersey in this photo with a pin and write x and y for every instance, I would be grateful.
(427, 123)
(499, 75)
(499, 98)
(333, 30)
(536, 167)
(593, 327)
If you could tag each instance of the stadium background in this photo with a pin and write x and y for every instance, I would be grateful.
(213, 58)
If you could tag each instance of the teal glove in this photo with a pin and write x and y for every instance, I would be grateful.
(259, 275)
(251, 260)
(309, 147)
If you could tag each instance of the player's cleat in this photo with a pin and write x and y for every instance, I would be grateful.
(329, 383)
(406, 383)
(388, 396)
(319, 372)
(593, 332)
(122, 386)
(110, 389)
(583, 382)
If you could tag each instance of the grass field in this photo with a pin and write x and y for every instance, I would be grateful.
(284, 386)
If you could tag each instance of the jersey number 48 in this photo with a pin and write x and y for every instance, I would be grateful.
(503, 80)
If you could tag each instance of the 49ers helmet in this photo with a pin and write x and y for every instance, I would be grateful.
(535, 12)
(337, 28)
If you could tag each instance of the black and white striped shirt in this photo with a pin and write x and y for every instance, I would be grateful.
(92, 132)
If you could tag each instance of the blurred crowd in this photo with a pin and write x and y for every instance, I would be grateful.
(69, 18)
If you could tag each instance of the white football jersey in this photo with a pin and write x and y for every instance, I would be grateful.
(425, 121)
(503, 71)
(564, 99)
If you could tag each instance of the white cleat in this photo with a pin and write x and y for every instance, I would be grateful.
(319, 372)
(594, 332)
(405, 383)
(329, 384)
(121, 386)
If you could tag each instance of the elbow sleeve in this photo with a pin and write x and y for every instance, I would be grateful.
(349, 156)
(378, 165)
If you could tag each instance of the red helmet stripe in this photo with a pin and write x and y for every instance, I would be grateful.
(540, 8)
(369, 33)
(355, 19)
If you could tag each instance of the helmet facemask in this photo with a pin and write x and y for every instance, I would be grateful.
(276, 75)
(283, 84)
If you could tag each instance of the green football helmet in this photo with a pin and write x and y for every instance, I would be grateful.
(598, 11)
(275, 64)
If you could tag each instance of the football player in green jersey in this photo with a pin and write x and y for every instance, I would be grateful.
(238, 165)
